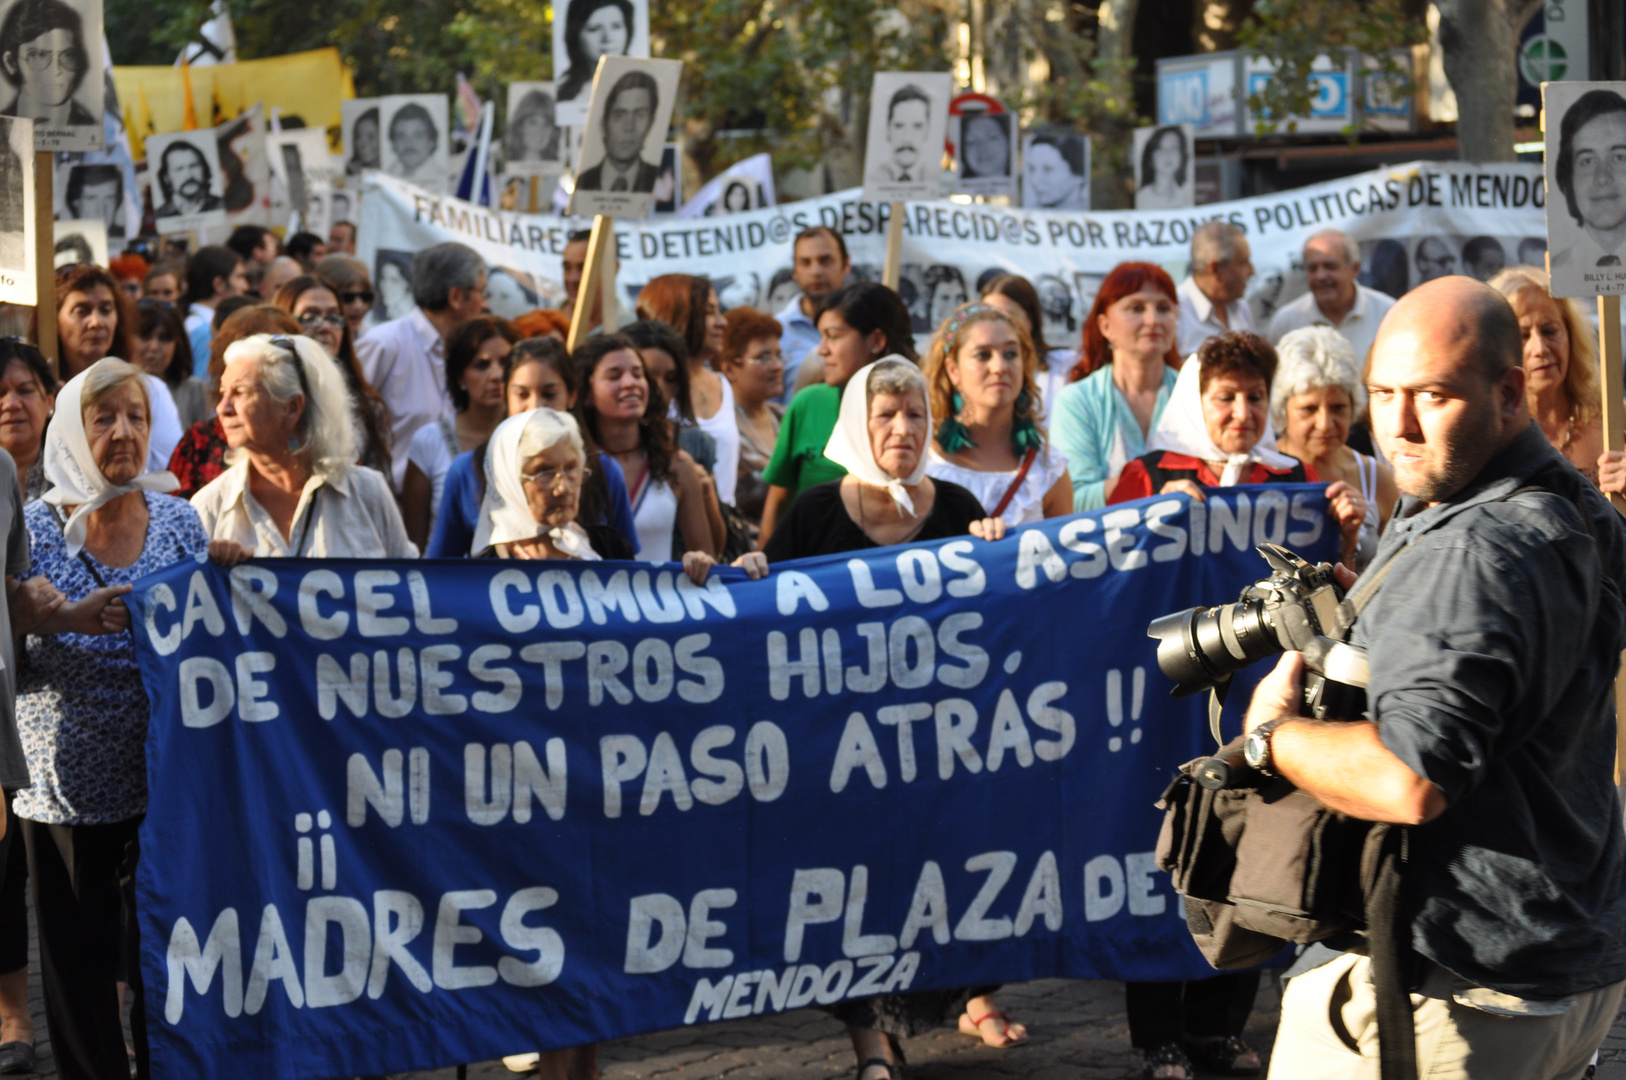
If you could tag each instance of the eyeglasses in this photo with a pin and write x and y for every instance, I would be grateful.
(365, 296)
(72, 60)
(320, 318)
(572, 474)
(764, 359)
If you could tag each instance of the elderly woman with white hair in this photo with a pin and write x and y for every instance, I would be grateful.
(81, 710)
(1316, 396)
(294, 489)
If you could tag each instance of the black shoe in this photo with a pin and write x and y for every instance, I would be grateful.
(1168, 1054)
(16, 1057)
(1221, 1056)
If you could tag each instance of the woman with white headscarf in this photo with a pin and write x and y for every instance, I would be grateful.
(81, 708)
(294, 489)
(882, 433)
(1217, 432)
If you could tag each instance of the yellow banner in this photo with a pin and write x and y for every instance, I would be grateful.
(307, 85)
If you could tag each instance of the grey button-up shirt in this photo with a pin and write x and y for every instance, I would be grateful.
(1494, 644)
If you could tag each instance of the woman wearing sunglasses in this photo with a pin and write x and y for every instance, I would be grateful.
(350, 282)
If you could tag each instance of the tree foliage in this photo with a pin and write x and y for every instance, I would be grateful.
(1294, 33)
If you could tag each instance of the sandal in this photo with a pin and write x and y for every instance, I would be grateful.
(1166, 1056)
(1220, 1056)
(976, 1023)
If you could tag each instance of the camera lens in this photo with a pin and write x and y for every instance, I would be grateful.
(1201, 647)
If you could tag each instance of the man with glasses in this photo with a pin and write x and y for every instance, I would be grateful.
(1211, 298)
(42, 56)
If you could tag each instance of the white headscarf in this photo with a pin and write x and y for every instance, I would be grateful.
(849, 444)
(1181, 429)
(70, 466)
(505, 514)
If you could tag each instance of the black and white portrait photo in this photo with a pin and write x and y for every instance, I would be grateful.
(51, 60)
(1483, 257)
(415, 146)
(187, 181)
(1586, 187)
(1056, 171)
(908, 123)
(533, 142)
(363, 138)
(95, 192)
(669, 182)
(80, 242)
(744, 185)
(985, 149)
(1163, 167)
(1434, 257)
(625, 136)
(16, 211)
(592, 29)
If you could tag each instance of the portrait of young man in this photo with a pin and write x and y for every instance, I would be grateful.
(1586, 172)
(628, 116)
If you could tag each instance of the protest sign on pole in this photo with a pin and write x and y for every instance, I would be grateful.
(188, 180)
(984, 139)
(54, 71)
(744, 185)
(1165, 169)
(79, 242)
(459, 808)
(25, 210)
(625, 135)
(592, 30)
(415, 143)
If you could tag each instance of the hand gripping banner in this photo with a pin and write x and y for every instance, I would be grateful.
(408, 814)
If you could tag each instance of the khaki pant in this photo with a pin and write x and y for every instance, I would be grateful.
(1326, 1010)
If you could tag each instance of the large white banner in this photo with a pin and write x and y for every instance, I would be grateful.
(1413, 223)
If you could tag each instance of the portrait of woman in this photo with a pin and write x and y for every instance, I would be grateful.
(985, 147)
(1056, 172)
(44, 58)
(364, 144)
(1164, 171)
(394, 276)
(533, 135)
(593, 28)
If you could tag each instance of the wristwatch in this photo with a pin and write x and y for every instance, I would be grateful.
(1256, 747)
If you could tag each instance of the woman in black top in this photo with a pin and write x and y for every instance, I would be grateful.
(887, 498)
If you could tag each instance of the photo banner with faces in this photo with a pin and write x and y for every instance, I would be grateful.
(1412, 222)
(456, 810)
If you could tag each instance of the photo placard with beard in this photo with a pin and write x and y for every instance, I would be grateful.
(625, 136)
(187, 181)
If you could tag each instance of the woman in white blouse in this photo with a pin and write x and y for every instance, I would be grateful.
(982, 373)
(293, 489)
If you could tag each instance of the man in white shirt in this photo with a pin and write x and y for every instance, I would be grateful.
(1335, 299)
(1211, 298)
(405, 359)
(819, 266)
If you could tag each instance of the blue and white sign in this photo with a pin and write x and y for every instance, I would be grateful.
(1201, 91)
(404, 814)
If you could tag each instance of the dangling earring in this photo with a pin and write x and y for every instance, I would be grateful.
(1024, 432)
(952, 435)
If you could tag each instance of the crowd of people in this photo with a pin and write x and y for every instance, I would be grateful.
(247, 402)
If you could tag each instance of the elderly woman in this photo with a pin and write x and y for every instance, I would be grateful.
(1316, 395)
(886, 498)
(1124, 378)
(754, 366)
(95, 320)
(982, 372)
(477, 356)
(1560, 366)
(294, 489)
(81, 708)
(27, 397)
(163, 349)
(857, 324)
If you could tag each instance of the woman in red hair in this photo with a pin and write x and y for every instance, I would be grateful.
(1122, 381)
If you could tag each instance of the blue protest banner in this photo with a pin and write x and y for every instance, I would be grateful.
(403, 815)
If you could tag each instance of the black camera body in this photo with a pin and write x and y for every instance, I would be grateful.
(1300, 607)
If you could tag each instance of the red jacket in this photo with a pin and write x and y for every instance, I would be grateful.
(1136, 480)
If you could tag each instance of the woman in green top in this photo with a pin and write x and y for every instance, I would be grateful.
(857, 324)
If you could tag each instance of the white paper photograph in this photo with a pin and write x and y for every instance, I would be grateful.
(51, 61)
(16, 211)
(1056, 171)
(625, 136)
(80, 242)
(985, 151)
(1163, 167)
(92, 191)
(363, 138)
(591, 29)
(908, 124)
(415, 139)
(533, 142)
(187, 182)
(1586, 187)
(745, 185)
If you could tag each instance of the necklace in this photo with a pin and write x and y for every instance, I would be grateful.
(1569, 430)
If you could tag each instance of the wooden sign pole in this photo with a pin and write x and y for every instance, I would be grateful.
(1609, 358)
(894, 246)
(536, 182)
(45, 257)
(581, 320)
(612, 261)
